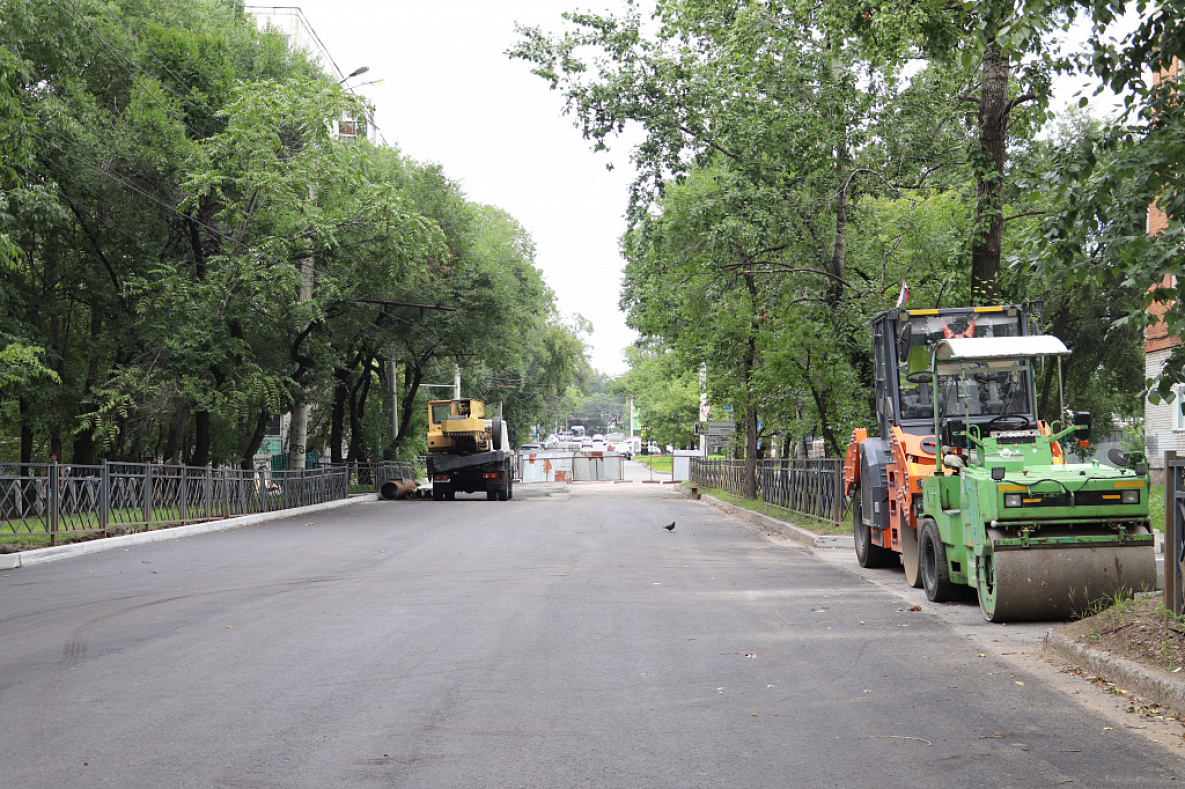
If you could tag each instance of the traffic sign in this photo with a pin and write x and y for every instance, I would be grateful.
(721, 428)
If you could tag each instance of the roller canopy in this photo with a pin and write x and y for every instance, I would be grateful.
(992, 350)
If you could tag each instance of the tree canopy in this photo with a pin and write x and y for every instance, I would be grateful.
(800, 163)
(188, 250)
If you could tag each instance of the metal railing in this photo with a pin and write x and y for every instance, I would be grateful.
(372, 476)
(65, 500)
(809, 486)
(1174, 533)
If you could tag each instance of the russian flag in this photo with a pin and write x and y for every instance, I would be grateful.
(903, 296)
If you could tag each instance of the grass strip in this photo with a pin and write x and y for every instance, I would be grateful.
(816, 525)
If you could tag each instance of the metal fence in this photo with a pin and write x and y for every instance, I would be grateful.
(372, 476)
(809, 486)
(1174, 533)
(66, 500)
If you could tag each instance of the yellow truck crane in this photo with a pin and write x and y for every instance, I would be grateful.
(468, 452)
(967, 487)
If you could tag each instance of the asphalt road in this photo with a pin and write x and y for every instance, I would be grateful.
(563, 639)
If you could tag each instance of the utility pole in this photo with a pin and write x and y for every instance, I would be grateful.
(297, 450)
(393, 380)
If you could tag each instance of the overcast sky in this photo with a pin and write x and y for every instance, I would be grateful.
(451, 96)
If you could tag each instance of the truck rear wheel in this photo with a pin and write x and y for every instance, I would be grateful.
(868, 555)
(935, 569)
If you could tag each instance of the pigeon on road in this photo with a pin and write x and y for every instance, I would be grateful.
(670, 526)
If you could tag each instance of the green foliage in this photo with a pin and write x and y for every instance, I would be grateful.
(186, 250)
(1102, 181)
(665, 390)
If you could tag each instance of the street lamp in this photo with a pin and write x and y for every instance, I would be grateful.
(356, 72)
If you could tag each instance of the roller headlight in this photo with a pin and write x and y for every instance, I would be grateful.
(1012, 499)
(1129, 497)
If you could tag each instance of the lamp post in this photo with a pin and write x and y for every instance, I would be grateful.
(355, 73)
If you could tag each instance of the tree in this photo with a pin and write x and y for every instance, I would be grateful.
(665, 391)
(170, 192)
(761, 230)
(1103, 185)
(1011, 42)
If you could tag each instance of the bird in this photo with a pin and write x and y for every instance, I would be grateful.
(670, 526)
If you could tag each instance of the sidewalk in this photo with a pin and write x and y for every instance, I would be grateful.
(1159, 687)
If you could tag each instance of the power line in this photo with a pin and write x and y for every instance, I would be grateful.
(121, 56)
(133, 187)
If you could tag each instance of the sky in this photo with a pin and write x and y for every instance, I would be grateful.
(449, 95)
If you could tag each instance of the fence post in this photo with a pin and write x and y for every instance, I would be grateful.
(54, 501)
(837, 472)
(182, 493)
(146, 499)
(105, 496)
(1174, 534)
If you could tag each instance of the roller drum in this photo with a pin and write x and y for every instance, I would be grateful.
(1057, 583)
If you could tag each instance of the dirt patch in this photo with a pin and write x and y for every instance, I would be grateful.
(1141, 630)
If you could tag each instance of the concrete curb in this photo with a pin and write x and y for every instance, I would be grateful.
(788, 530)
(12, 561)
(1167, 692)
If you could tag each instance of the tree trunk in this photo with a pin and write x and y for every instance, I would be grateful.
(409, 399)
(256, 440)
(358, 410)
(989, 216)
(201, 439)
(341, 393)
(748, 363)
(175, 441)
(84, 442)
(750, 488)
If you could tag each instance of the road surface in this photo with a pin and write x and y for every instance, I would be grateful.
(562, 639)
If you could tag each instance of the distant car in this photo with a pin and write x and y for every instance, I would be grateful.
(530, 448)
(586, 443)
(624, 449)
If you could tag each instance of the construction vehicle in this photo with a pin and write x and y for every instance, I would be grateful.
(1004, 512)
(468, 452)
